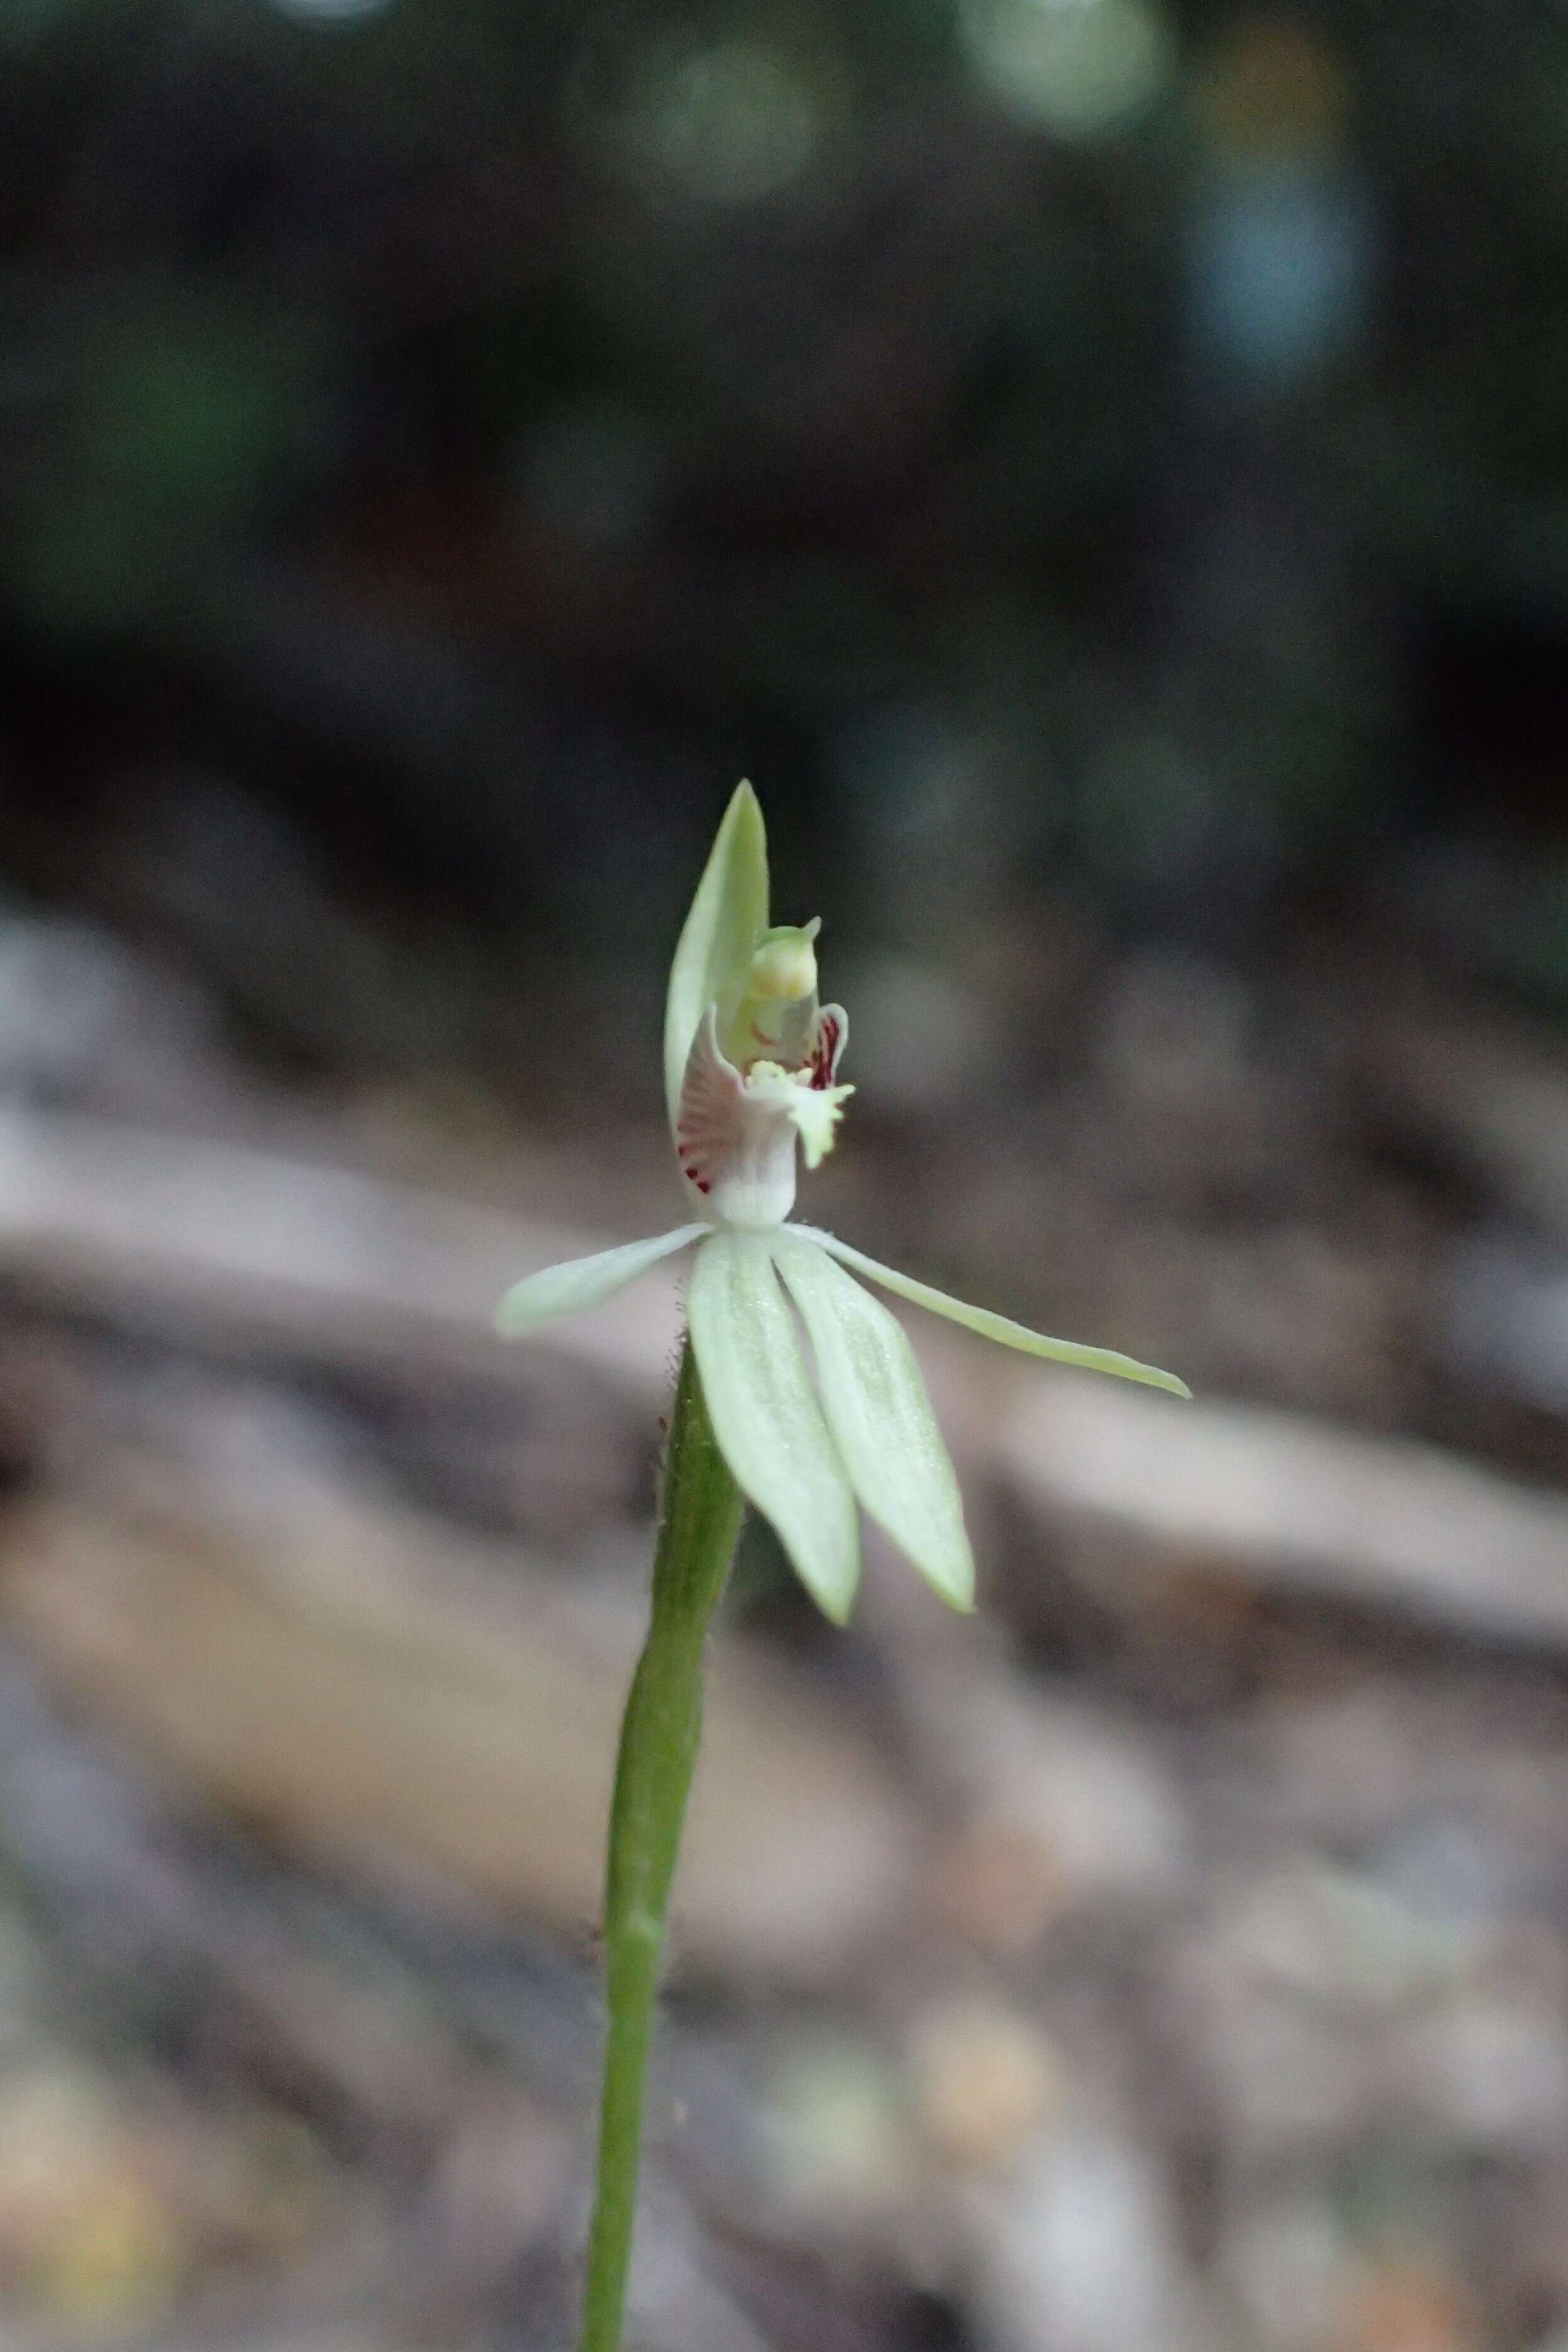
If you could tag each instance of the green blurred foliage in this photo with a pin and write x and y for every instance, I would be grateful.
(1173, 396)
(175, 426)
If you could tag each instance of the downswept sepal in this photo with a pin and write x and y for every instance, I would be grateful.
(766, 1417)
(880, 1417)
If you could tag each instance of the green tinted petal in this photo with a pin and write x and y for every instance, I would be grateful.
(999, 1327)
(767, 1421)
(728, 917)
(880, 1417)
(584, 1281)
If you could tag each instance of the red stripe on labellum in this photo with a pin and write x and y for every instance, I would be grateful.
(689, 1157)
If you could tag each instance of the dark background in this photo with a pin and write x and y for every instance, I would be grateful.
(1101, 467)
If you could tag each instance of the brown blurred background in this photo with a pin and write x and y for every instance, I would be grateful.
(1101, 468)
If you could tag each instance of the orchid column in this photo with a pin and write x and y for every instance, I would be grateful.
(751, 1062)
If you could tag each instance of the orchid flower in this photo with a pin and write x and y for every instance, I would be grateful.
(750, 1066)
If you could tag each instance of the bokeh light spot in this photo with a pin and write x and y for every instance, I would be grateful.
(1270, 90)
(330, 13)
(1281, 272)
(1080, 68)
(728, 123)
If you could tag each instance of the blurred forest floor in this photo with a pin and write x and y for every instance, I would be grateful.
(1102, 469)
(1175, 1955)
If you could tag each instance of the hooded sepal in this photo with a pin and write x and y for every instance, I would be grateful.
(728, 915)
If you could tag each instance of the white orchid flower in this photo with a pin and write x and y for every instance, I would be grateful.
(751, 1062)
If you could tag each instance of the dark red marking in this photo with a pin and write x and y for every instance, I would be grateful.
(822, 1058)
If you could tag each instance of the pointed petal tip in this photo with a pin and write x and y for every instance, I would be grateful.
(958, 1596)
(520, 1309)
(1149, 1376)
(743, 811)
(515, 1318)
(1127, 1367)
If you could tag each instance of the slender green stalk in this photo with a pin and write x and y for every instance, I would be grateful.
(699, 1518)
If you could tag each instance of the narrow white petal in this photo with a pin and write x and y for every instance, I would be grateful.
(999, 1327)
(584, 1281)
(767, 1421)
(880, 1417)
(728, 917)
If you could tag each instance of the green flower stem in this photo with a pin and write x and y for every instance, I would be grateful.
(699, 1518)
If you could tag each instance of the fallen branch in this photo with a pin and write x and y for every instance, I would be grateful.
(1158, 1491)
